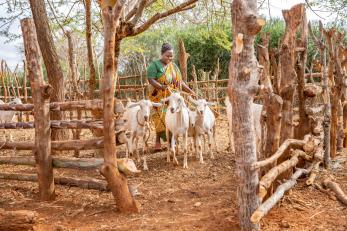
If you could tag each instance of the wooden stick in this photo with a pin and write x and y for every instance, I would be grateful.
(67, 181)
(17, 220)
(336, 189)
(285, 145)
(58, 124)
(267, 180)
(264, 208)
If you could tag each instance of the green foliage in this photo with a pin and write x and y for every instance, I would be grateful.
(205, 45)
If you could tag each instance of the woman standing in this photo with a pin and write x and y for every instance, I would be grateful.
(164, 77)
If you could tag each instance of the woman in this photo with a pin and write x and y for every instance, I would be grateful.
(164, 76)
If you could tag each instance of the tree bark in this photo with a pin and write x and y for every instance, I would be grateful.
(116, 181)
(304, 125)
(68, 181)
(92, 72)
(50, 58)
(41, 95)
(243, 84)
(267, 180)
(326, 93)
(278, 194)
(20, 220)
(183, 58)
(293, 18)
(336, 189)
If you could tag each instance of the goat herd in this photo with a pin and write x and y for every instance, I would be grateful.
(180, 120)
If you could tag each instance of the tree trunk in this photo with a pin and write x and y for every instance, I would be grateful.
(304, 126)
(76, 94)
(92, 73)
(116, 181)
(50, 58)
(41, 94)
(272, 104)
(243, 82)
(326, 93)
(183, 57)
(293, 18)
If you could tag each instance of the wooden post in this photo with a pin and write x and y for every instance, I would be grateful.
(293, 18)
(243, 85)
(304, 125)
(195, 80)
(183, 57)
(326, 92)
(4, 85)
(336, 76)
(272, 104)
(40, 93)
(116, 181)
(214, 79)
(75, 94)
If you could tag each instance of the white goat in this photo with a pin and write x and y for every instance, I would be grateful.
(256, 109)
(176, 122)
(8, 116)
(205, 122)
(136, 118)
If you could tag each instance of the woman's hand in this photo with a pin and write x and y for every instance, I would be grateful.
(163, 87)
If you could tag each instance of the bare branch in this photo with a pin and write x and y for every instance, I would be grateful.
(182, 7)
(141, 6)
(133, 11)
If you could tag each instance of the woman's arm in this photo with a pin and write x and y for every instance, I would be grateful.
(187, 89)
(156, 84)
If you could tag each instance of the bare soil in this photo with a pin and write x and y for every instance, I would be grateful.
(202, 197)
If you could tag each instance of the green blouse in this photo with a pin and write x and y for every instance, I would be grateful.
(156, 69)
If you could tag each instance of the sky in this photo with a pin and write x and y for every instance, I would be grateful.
(10, 51)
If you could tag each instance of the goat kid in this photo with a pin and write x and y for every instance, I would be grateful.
(176, 122)
(205, 122)
(8, 116)
(136, 118)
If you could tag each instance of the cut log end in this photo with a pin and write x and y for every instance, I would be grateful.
(256, 217)
(262, 192)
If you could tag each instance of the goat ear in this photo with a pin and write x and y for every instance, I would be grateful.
(133, 105)
(211, 104)
(192, 100)
(157, 104)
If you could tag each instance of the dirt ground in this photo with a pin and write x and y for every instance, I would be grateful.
(202, 197)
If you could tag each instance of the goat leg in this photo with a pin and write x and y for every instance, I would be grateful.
(185, 139)
(137, 150)
(169, 146)
(144, 153)
(210, 138)
(173, 148)
(200, 137)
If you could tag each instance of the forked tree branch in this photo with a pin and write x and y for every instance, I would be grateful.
(182, 7)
